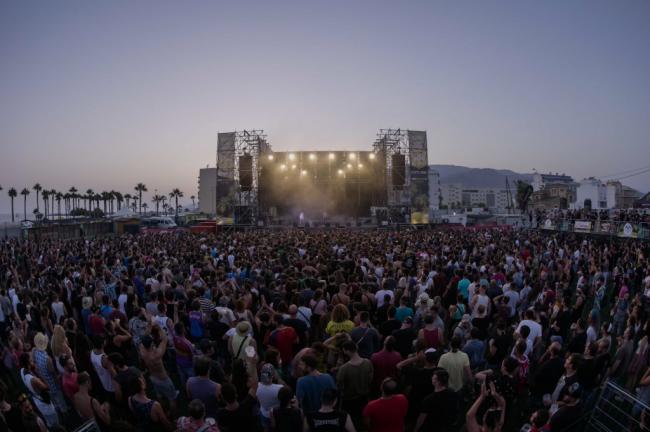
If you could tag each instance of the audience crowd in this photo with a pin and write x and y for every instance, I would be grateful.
(333, 330)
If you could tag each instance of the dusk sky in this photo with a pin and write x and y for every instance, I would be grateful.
(103, 95)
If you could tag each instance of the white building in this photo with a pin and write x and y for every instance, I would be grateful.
(434, 189)
(208, 190)
(540, 180)
(593, 193)
(452, 194)
(494, 199)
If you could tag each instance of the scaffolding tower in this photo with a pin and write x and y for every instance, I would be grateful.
(392, 142)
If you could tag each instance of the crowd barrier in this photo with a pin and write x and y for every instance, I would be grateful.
(635, 230)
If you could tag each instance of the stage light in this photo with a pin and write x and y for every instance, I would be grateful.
(283, 167)
(312, 157)
(270, 157)
(292, 156)
(332, 156)
(293, 167)
(349, 166)
(360, 166)
(371, 156)
(303, 172)
(340, 171)
(351, 156)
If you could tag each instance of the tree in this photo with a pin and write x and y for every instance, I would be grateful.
(12, 194)
(193, 198)
(89, 196)
(46, 196)
(59, 196)
(73, 192)
(24, 193)
(176, 194)
(127, 198)
(53, 195)
(66, 203)
(144, 206)
(524, 194)
(139, 188)
(157, 199)
(119, 198)
(37, 187)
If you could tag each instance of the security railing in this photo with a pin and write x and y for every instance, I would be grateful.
(617, 410)
(633, 230)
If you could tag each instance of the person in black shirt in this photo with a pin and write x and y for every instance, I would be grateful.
(240, 415)
(404, 337)
(287, 417)
(391, 324)
(439, 410)
(570, 409)
(327, 418)
(550, 370)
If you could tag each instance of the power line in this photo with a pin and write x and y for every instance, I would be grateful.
(633, 175)
(625, 172)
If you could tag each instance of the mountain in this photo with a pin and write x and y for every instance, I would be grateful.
(479, 177)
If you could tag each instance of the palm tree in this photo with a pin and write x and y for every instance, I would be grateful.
(193, 198)
(164, 206)
(176, 194)
(45, 196)
(24, 193)
(73, 193)
(66, 203)
(97, 198)
(144, 206)
(139, 188)
(134, 205)
(59, 195)
(12, 194)
(52, 194)
(119, 198)
(127, 198)
(104, 196)
(89, 196)
(37, 187)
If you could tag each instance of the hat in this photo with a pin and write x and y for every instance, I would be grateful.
(424, 299)
(267, 373)
(41, 341)
(86, 302)
(431, 355)
(243, 328)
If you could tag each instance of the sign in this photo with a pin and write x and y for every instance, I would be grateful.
(582, 226)
(628, 230)
(548, 224)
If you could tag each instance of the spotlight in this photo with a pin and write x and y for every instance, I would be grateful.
(270, 157)
(360, 166)
(332, 156)
(371, 156)
(292, 156)
(340, 171)
(351, 156)
(283, 167)
(293, 167)
(312, 157)
(349, 166)
(303, 172)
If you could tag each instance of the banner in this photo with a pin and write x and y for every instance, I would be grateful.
(419, 177)
(605, 228)
(628, 230)
(226, 187)
(548, 225)
(582, 226)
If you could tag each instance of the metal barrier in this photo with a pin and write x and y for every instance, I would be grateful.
(632, 230)
(616, 410)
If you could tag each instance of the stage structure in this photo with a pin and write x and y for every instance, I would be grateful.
(256, 186)
(238, 158)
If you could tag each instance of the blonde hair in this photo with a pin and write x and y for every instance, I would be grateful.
(59, 341)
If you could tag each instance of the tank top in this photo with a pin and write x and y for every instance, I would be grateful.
(142, 412)
(103, 373)
(431, 337)
(162, 322)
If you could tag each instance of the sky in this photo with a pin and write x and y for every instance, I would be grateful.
(104, 95)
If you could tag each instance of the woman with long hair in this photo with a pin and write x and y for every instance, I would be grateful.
(340, 321)
(59, 346)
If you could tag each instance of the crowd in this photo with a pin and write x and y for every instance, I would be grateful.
(337, 330)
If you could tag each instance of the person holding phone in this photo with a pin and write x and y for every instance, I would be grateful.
(494, 417)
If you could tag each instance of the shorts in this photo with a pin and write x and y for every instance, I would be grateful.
(164, 387)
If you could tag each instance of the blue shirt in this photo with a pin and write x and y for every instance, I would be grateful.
(403, 312)
(310, 388)
(463, 287)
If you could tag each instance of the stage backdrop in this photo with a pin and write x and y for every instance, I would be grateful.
(419, 176)
(226, 187)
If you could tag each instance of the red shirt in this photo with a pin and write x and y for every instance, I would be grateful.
(384, 364)
(70, 386)
(96, 324)
(387, 415)
(283, 340)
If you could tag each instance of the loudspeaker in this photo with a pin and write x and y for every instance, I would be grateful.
(399, 169)
(246, 172)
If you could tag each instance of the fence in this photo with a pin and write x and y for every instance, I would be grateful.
(617, 410)
(633, 230)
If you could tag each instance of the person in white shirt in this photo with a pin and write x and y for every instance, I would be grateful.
(379, 295)
(534, 326)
